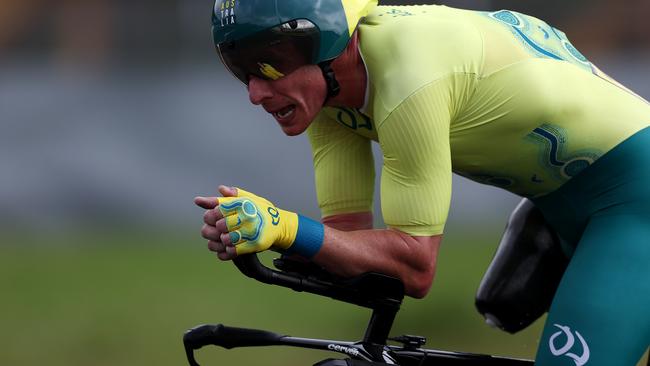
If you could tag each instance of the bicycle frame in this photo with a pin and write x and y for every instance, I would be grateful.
(381, 293)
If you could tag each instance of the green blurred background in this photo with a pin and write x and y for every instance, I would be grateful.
(114, 114)
(125, 298)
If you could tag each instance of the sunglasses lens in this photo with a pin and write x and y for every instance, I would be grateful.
(272, 53)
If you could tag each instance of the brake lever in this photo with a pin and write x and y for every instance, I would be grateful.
(196, 338)
(202, 335)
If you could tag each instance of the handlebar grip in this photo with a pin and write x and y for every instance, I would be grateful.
(226, 337)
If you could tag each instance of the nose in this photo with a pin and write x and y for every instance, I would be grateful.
(259, 90)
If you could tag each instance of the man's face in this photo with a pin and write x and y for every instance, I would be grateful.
(293, 100)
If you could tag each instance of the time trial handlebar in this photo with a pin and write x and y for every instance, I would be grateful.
(370, 290)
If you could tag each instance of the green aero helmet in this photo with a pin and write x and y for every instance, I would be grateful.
(272, 38)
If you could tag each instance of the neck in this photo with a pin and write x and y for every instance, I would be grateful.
(351, 75)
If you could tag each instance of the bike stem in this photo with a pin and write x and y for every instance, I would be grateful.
(379, 326)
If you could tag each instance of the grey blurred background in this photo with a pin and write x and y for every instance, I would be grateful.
(116, 112)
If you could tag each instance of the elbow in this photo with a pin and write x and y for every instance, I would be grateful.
(419, 282)
(422, 269)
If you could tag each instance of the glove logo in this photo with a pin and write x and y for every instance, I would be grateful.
(275, 215)
(570, 342)
(249, 219)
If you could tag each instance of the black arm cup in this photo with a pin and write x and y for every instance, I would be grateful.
(525, 272)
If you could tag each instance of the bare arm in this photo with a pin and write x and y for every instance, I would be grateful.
(351, 247)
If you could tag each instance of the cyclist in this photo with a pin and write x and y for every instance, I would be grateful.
(499, 97)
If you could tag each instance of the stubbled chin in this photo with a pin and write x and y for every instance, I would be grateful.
(295, 127)
(292, 130)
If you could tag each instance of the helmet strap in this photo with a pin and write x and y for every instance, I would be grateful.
(333, 87)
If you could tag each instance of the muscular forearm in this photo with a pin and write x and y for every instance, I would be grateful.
(411, 259)
(349, 246)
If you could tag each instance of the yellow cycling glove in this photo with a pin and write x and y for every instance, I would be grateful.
(256, 225)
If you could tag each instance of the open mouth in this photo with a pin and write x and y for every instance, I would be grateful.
(285, 112)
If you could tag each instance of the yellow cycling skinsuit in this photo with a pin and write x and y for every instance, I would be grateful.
(498, 97)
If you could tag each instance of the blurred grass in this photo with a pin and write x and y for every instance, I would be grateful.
(125, 298)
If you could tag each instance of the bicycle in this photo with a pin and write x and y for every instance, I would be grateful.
(383, 294)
